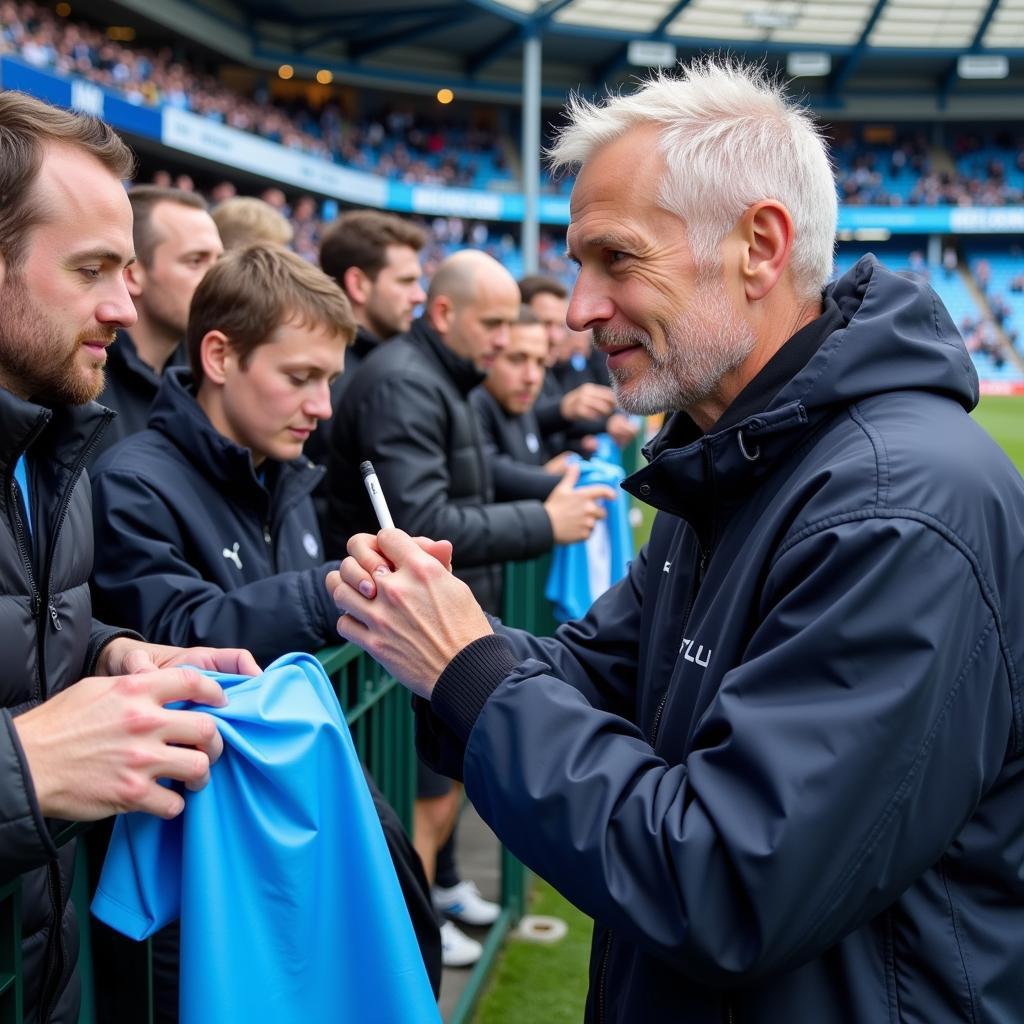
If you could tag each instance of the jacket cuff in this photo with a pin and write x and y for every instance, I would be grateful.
(26, 841)
(100, 637)
(326, 610)
(468, 681)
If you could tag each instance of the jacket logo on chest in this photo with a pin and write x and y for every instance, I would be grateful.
(231, 554)
(310, 544)
(701, 657)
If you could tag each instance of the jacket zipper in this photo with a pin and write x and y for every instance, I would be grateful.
(602, 975)
(694, 590)
(26, 560)
(606, 955)
(56, 955)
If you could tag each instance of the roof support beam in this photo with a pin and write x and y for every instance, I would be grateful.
(618, 60)
(846, 70)
(363, 48)
(950, 78)
(514, 36)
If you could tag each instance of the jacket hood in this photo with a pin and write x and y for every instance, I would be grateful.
(896, 335)
(177, 415)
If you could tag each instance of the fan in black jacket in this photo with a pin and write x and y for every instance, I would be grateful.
(204, 521)
(408, 412)
(70, 748)
(176, 242)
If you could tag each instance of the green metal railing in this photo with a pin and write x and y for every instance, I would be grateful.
(379, 714)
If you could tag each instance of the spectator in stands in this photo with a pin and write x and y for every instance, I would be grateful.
(70, 750)
(406, 409)
(782, 775)
(204, 524)
(519, 462)
(176, 242)
(245, 220)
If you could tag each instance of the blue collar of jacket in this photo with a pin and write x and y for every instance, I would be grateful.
(463, 374)
(62, 434)
(178, 416)
(895, 335)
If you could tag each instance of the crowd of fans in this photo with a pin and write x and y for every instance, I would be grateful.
(972, 169)
(398, 144)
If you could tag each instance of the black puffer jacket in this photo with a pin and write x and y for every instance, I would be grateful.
(406, 409)
(49, 640)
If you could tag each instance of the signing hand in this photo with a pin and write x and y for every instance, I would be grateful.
(403, 606)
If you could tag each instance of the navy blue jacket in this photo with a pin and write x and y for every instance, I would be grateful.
(193, 549)
(780, 763)
(130, 388)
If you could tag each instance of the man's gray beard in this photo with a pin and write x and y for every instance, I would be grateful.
(707, 343)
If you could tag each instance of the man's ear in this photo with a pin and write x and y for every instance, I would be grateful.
(216, 356)
(357, 285)
(135, 279)
(767, 233)
(440, 313)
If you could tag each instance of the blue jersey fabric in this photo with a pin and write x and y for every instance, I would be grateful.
(582, 572)
(289, 905)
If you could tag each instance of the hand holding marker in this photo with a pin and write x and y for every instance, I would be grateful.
(380, 506)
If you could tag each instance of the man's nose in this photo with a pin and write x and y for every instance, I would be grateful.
(116, 308)
(588, 305)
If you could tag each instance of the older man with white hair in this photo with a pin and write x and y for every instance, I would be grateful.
(780, 763)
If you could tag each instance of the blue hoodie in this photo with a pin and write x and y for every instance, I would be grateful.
(780, 764)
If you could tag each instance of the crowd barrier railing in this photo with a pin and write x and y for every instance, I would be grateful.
(379, 713)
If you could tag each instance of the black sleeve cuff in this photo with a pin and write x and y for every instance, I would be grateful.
(101, 636)
(470, 678)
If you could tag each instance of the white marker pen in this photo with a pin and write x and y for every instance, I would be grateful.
(380, 506)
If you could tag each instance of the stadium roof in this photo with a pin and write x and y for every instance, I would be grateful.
(889, 48)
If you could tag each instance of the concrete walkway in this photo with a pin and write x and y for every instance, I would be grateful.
(477, 859)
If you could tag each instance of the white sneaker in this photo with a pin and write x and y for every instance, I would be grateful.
(463, 903)
(457, 948)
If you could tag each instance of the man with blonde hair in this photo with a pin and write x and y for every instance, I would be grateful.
(780, 763)
(245, 220)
